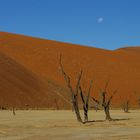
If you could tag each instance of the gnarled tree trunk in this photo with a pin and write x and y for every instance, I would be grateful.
(107, 113)
(76, 108)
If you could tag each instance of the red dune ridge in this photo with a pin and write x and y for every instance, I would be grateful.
(30, 73)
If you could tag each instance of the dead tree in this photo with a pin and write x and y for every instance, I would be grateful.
(74, 92)
(138, 97)
(57, 106)
(85, 100)
(105, 103)
(14, 112)
(139, 102)
(126, 106)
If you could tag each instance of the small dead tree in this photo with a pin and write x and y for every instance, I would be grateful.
(126, 104)
(139, 102)
(138, 97)
(105, 103)
(74, 92)
(57, 106)
(85, 100)
(13, 110)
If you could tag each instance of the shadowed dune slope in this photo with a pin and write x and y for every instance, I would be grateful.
(41, 57)
(21, 88)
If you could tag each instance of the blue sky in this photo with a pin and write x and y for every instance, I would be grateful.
(108, 24)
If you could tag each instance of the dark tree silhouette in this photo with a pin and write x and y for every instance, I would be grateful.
(126, 104)
(85, 100)
(105, 103)
(14, 112)
(74, 92)
(137, 97)
(57, 106)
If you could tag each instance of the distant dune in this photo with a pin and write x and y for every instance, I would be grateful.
(30, 74)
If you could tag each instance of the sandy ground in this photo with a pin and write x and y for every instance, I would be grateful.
(61, 125)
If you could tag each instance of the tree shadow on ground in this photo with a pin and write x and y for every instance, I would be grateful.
(123, 119)
(93, 121)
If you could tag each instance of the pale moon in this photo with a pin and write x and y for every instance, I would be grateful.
(100, 20)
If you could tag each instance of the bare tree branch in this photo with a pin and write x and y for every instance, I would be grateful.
(66, 77)
(103, 102)
(88, 95)
(106, 85)
(111, 97)
(95, 100)
(78, 82)
(82, 97)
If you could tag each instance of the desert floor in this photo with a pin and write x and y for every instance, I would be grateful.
(62, 125)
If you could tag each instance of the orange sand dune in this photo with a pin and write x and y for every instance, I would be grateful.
(41, 57)
(21, 88)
